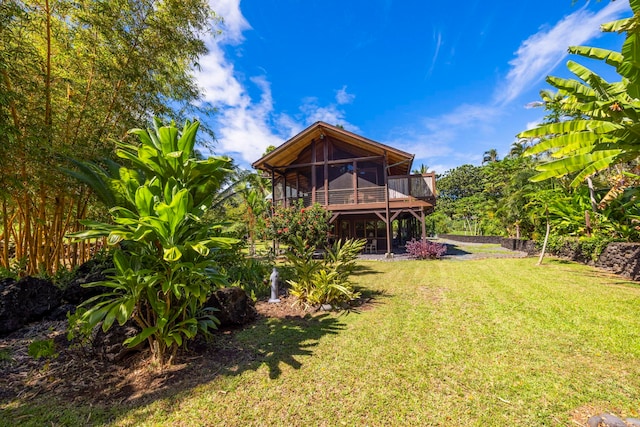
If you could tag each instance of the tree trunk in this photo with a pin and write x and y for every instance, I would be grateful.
(546, 239)
(592, 195)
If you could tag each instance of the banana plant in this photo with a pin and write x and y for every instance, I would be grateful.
(164, 253)
(606, 131)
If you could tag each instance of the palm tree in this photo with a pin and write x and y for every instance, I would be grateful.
(490, 156)
(422, 170)
(517, 148)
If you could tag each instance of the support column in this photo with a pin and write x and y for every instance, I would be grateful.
(284, 187)
(273, 206)
(313, 172)
(424, 227)
(325, 154)
(388, 221)
(355, 182)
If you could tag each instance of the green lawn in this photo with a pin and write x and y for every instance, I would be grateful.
(490, 342)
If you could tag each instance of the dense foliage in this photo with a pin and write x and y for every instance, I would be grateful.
(164, 254)
(74, 75)
(425, 249)
(290, 223)
(323, 281)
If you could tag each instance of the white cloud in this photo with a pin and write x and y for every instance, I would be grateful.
(313, 112)
(534, 124)
(342, 97)
(437, 39)
(233, 22)
(432, 138)
(216, 78)
(474, 128)
(542, 52)
(245, 127)
(466, 115)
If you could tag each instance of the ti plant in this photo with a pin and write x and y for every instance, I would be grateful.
(164, 252)
(323, 281)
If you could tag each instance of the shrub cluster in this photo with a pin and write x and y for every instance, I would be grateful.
(425, 249)
(324, 281)
(578, 249)
(308, 223)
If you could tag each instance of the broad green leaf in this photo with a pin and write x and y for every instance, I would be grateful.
(188, 139)
(144, 201)
(116, 237)
(175, 154)
(611, 57)
(621, 24)
(172, 254)
(146, 333)
(120, 261)
(200, 248)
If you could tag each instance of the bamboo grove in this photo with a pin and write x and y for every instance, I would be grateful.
(74, 76)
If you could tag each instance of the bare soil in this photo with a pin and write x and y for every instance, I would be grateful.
(77, 374)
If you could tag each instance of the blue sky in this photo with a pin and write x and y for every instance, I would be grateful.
(445, 81)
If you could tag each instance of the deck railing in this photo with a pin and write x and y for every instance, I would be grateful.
(405, 188)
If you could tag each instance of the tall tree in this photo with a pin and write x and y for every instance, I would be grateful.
(421, 170)
(73, 76)
(490, 156)
(604, 128)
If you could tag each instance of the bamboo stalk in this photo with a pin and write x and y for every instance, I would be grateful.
(62, 253)
(40, 225)
(47, 82)
(5, 234)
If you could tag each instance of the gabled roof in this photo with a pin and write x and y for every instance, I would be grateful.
(288, 152)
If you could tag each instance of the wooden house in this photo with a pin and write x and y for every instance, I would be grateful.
(368, 186)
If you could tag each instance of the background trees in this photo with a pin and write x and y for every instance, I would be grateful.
(593, 139)
(74, 75)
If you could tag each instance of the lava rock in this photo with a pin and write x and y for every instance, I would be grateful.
(108, 345)
(234, 307)
(60, 313)
(605, 420)
(27, 300)
(89, 272)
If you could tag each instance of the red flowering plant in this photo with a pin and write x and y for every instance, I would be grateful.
(425, 249)
(308, 223)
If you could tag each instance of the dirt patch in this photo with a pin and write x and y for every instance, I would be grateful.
(433, 295)
(287, 307)
(77, 376)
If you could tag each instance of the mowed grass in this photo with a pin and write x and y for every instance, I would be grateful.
(488, 342)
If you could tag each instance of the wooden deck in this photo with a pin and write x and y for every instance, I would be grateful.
(411, 191)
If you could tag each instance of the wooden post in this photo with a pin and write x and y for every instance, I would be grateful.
(389, 253)
(273, 189)
(355, 182)
(313, 171)
(326, 168)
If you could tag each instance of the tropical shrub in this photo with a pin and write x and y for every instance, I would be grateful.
(250, 274)
(308, 223)
(164, 254)
(579, 249)
(425, 249)
(324, 281)
(42, 348)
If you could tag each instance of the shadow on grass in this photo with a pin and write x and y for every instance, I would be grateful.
(607, 277)
(277, 342)
(363, 270)
(454, 250)
(114, 390)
